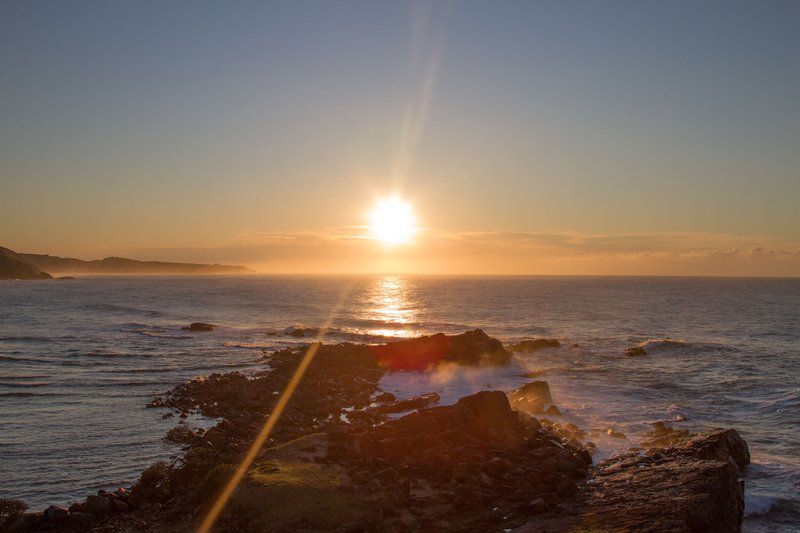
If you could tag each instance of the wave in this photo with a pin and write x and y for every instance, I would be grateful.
(667, 345)
(27, 394)
(663, 344)
(34, 338)
(20, 377)
(382, 324)
(108, 355)
(788, 402)
(122, 309)
(165, 336)
(249, 345)
(125, 384)
(759, 505)
(23, 359)
(22, 385)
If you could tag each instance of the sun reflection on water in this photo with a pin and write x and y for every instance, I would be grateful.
(389, 305)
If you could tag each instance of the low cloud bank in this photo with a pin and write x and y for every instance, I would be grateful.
(345, 250)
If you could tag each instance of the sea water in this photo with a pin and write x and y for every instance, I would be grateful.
(80, 359)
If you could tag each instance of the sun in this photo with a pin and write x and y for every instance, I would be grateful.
(392, 221)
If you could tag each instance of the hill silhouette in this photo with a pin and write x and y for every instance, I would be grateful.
(15, 266)
(121, 265)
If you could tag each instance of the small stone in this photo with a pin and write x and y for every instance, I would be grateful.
(199, 326)
(97, 505)
(56, 513)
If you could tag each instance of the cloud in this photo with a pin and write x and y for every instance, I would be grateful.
(346, 250)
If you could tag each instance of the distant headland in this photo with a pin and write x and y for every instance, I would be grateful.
(15, 265)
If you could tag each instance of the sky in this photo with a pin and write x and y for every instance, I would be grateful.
(531, 137)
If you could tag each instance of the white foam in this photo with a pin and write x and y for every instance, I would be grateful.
(758, 504)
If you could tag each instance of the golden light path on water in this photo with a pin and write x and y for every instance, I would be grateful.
(389, 302)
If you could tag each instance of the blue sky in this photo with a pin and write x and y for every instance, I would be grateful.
(153, 127)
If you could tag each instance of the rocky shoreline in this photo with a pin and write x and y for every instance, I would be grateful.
(345, 456)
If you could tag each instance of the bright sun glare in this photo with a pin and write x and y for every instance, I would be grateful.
(392, 221)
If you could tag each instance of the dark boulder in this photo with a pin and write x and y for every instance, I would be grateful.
(55, 513)
(199, 326)
(418, 402)
(531, 397)
(552, 410)
(97, 505)
(473, 348)
(385, 397)
(485, 415)
(690, 488)
(719, 445)
(180, 435)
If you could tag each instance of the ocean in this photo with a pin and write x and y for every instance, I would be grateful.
(80, 359)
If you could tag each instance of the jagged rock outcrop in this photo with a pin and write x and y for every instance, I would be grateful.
(473, 348)
(694, 487)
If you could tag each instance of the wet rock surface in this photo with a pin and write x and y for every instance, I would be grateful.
(694, 487)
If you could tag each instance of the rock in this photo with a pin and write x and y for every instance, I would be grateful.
(533, 345)
(473, 348)
(615, 434)
(76, 507)
(56, 514)
(181, 435)
(476, 348)
(636, 351)
(491, 411)
(119, 506)
(97, 505)
(385, 397)
(693, 487)
(719, 445)
(294, 331)
(199, 326)
(80, 518)
(552, 410)
(662, 435)
(531, 397)
(31, 520)
(418, 402)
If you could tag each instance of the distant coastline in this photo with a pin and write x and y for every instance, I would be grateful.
(14, 265)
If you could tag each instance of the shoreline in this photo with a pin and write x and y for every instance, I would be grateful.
(343, 380)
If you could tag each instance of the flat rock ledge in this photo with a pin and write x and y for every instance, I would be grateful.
(694, 487)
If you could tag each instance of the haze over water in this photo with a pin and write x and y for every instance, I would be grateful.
(80, 359)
